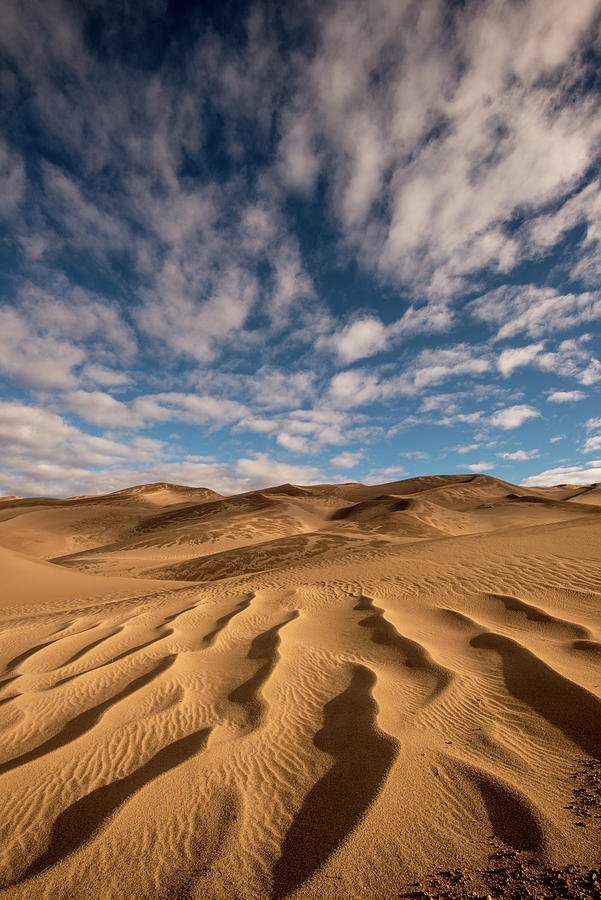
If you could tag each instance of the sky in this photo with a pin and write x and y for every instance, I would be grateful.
(250, 243)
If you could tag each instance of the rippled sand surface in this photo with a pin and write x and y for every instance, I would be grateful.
(326, 691)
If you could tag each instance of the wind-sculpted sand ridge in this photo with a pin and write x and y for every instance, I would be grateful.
(337, 690)
(85, 721)
(569, 707)
(553, 625)
(264, 647)
(412, 654)
(78, 823)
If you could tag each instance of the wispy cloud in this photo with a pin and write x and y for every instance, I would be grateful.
(592, 444)
(311, 230)
(457, 130)
(387, 473)
(367, 335)
(521, 455)
(43, 454)
(535, 311)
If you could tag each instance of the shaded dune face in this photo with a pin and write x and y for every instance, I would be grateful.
(362, 755)
(264, 648)
(567, 706)
(84, 722)
(317, 691)
(410, 652)
(79, 822)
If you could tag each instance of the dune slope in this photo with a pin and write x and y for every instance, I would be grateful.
(326, 691)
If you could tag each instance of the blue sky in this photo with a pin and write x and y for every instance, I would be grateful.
(244, 244)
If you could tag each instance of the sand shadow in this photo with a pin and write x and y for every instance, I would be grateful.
(511, 819)
(82, 723)
(209, 638)
(335, 805)
(113, 659)
(414, 655)
(27, 654)
(567, 706)
(90, 647)
(535, 614)
(264, 646)
(79, 822)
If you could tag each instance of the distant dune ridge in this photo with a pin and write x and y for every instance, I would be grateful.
(326, 691)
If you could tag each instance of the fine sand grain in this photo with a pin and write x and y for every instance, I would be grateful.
(327, 691)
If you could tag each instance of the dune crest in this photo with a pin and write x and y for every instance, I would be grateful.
(302, 691)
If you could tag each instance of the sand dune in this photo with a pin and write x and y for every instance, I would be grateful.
(327, 691)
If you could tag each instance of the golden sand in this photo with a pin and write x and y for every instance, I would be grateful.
(328, 691)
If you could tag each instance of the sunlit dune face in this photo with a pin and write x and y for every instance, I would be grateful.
(266, 693)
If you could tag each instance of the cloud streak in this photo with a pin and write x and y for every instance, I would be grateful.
(276, 246)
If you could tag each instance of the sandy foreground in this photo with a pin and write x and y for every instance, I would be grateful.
(332, 691)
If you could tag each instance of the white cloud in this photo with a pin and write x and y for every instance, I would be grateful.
(514, 357)
(592, 444)
(262, 470)
(459, 418)
(479, 467)
(347, 459)
(278, 388)
(41, 454)
(583, 208)
(513, 416)
(572, 358)
(385, 474)
(558, 437)
(104, 410)
(104, 376)
(428, 319)
(363, 337)
(295, 443)
(591, 374)
(367, 334)
(174, 315)
(63, 310)
(307, 430)
(298, 161)
(291, 283)
(100, 409)
(12, 181)
(192, 408)
(52, 331)
(535, 310)
(86, 222)
(434, 366)
(450, 150)
(567, 475)
(518, 455)
(565, 396)
(33, 358)
(355, 387)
